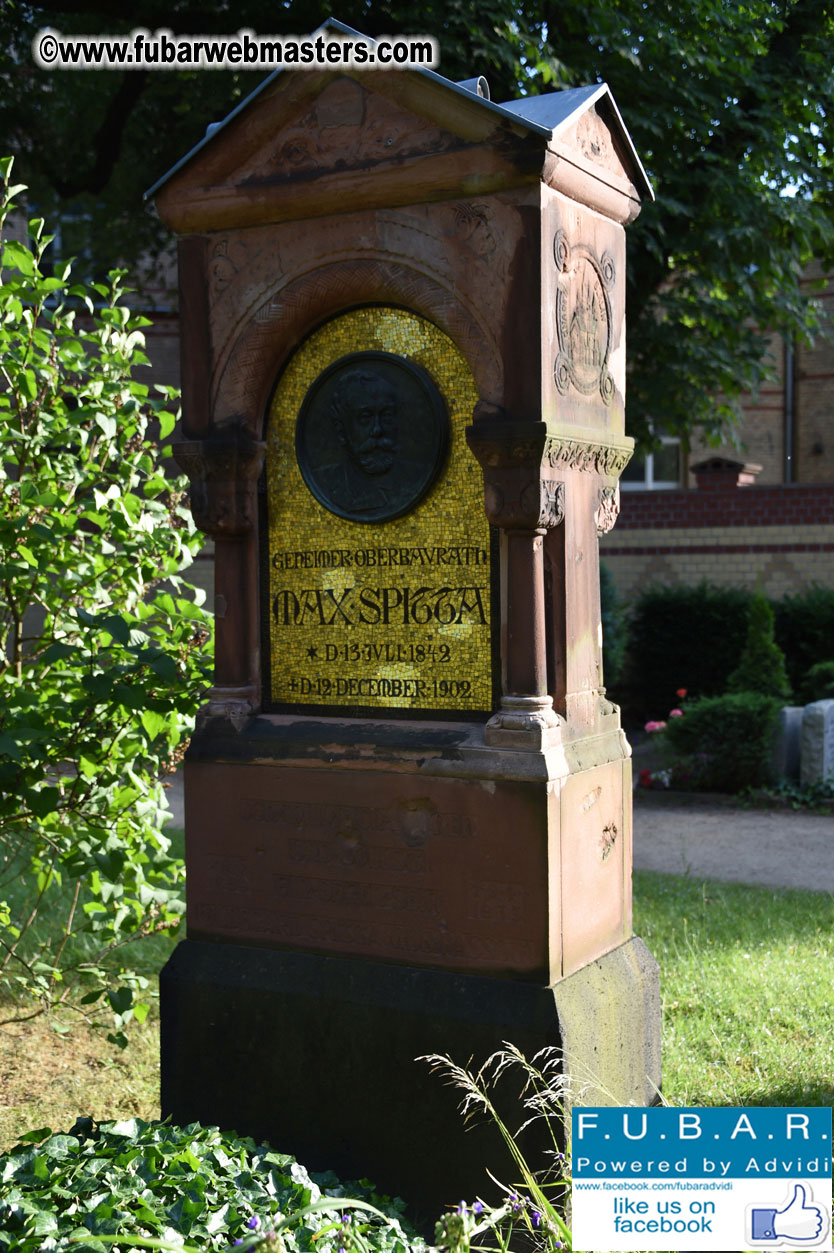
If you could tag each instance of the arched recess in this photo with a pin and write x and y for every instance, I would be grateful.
(246, 375)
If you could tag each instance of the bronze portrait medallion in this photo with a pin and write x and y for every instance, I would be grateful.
(371, 436)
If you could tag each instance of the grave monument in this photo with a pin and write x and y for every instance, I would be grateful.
(817, 743)
(408, 800)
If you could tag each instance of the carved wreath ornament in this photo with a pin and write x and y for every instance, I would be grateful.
(583, 319)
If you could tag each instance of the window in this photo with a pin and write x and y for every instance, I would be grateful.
(654, 471)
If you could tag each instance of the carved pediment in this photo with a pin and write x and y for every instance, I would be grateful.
(315, 143)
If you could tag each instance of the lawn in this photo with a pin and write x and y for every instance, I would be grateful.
(747, 1013)
(748, 1002)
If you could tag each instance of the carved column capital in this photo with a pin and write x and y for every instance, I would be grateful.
(609, 508)
(563, 451)
(521, 492)
(222, 470)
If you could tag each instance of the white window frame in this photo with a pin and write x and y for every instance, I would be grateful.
(650, 483)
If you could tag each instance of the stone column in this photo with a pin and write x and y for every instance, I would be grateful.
(223, 471)
(524, 500)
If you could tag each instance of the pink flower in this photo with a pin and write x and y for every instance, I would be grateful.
(675, 713)
(681, 693)
(655, 726)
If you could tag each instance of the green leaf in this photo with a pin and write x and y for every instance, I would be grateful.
(167, 422)
(32, 1137)
(154, 723)
(107, 424)
(44, 801)
(58, 651)
(18, 257)
(120, 999)
(10, 747)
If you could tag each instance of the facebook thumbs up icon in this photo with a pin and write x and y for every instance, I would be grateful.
(798, 1221)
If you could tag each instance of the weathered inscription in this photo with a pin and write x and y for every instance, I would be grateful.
(408, 861)
(379, 553)
(368, 935)
(356, 895)
(352, 821)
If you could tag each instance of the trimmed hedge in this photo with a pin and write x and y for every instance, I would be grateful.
(693, 638)
(614, 628)
(727, 741)
(762, 664)
(818, 683)
(682, 637)
(805, 630)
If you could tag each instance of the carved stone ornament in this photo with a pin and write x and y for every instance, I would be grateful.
(552, 503)
(221, 471)
(518, 495)
(608, 460)
(583, 319)
(609, 509)
(528, 722)
(235, 705)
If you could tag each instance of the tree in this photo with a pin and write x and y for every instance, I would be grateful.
(761, 667)
(102, 658)
(729, 104)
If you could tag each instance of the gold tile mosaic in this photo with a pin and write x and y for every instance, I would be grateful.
(388, 614)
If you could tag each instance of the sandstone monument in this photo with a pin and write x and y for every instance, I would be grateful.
(408, 800)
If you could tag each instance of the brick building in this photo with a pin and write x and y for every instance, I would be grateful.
(762, 515)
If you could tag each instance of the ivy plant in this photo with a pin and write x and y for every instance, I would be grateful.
(103, 647)
(190, 1188)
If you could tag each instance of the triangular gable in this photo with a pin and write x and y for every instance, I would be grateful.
(347, 139)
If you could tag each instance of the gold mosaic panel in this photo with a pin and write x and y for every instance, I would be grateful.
(393, 615)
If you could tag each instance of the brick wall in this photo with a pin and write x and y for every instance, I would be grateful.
(764, 430)
(778, 537)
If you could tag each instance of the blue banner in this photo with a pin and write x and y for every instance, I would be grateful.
(742, 1143)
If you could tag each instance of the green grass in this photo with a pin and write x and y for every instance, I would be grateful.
(748, 1013)
(748, 998)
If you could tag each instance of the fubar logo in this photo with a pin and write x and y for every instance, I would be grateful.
(701, 1179)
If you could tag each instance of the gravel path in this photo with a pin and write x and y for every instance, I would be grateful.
(711, 840)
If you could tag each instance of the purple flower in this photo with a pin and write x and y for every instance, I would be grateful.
(253, 1223)
(478, 1208)
(536, 1218)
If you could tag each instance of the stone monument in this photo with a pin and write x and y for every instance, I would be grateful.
(408, 800)
(817, 743)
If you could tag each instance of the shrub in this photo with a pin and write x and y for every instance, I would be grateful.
(678, 637)
(805, 630)
(614, 627)
(761, 667)
(818, 683)
(102, 664)
(727, 741)
(193, 1183)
